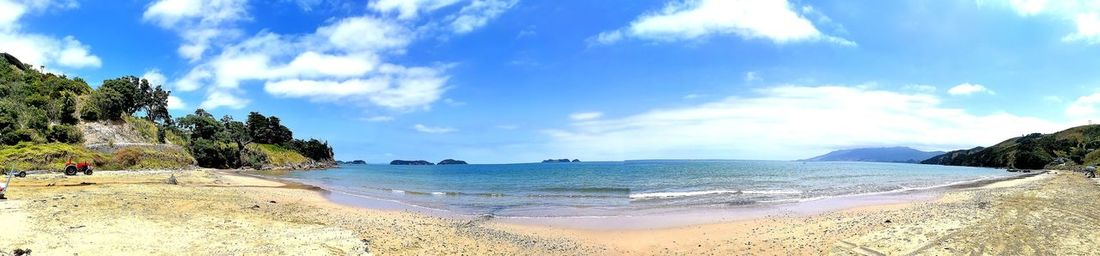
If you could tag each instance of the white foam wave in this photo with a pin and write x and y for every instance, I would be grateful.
(707, 192)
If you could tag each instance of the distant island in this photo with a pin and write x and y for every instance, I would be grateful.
(451, 161)
(563, 160)
(884, 154)
(1071, 147)
(412, 162)
(352, 162)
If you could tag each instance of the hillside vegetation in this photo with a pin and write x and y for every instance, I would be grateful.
(1073, 146)
(124, 123)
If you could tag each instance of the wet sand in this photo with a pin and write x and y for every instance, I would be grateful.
(216, 212)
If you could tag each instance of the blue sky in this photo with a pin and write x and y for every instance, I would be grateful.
(494, 81)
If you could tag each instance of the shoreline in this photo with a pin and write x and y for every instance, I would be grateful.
(666, 217)
(224, 212)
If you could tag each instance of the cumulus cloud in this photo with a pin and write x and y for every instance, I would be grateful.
(347, 59)
(154, 77)
(584, 116)
(791, 122)
(221, 98)
(37, 49)
(199, 23)
(175, 103)
(773, 20)
(433, 130)
(968, 89)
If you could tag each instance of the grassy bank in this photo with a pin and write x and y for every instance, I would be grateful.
(53, 156)
(279, 157)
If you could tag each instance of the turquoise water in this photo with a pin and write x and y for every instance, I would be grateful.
(617, 188)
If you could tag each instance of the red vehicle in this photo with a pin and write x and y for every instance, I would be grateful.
(72, 169)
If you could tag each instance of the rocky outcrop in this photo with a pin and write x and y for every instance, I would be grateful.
(413, 162)
(14, 61)
(451, 161)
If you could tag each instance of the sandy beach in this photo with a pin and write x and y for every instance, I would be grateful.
(224, 213)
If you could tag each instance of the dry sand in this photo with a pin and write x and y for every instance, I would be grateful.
(221, 213)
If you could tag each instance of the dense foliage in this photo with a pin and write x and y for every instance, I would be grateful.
(225, 143)
(38, 107)
(1078, 145)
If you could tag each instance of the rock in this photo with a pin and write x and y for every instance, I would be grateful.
(413, 162)
(172, 180)
(451, 161)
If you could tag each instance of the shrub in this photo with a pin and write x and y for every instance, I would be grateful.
(65, 134)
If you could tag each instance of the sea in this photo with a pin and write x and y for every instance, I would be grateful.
(594, 189)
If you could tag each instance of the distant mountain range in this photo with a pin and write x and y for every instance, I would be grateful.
(888, 154)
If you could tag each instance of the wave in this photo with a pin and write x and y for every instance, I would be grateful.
(902, 188)
(607, 190)
(642, 196)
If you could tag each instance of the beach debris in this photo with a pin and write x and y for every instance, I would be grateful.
(272, 201)
(172, 180)
(255, 206)
(21, 252)
(887, 221)
(76, 227)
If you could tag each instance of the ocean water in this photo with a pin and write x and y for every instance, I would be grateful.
(623, 188)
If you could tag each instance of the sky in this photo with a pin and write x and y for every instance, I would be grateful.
(500, 81)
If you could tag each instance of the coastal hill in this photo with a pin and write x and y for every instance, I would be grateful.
(886, 154)
(47, 119)
(1073, 146)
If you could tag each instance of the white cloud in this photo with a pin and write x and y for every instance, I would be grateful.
(1083, 14)
(154, 77)
(773, 20)
(478, 13)
(453, 102)
(348, 59)
(1028, 7)
(751, 76)
(1088, 28)
(409, 9)
(1084, 108)
(379, 119)
(585, 116)
(175, 103)
(791, 122)
(921, 88)
(434, 130)
(366, 34)
(37, 49)
(199, 23)
(968, 89)
(220, 98)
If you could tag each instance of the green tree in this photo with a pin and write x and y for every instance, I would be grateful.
(132, 96)
(65, 134)
(68, 108)
(109, 104)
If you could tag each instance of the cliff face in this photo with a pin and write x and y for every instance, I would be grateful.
(1032, 151)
